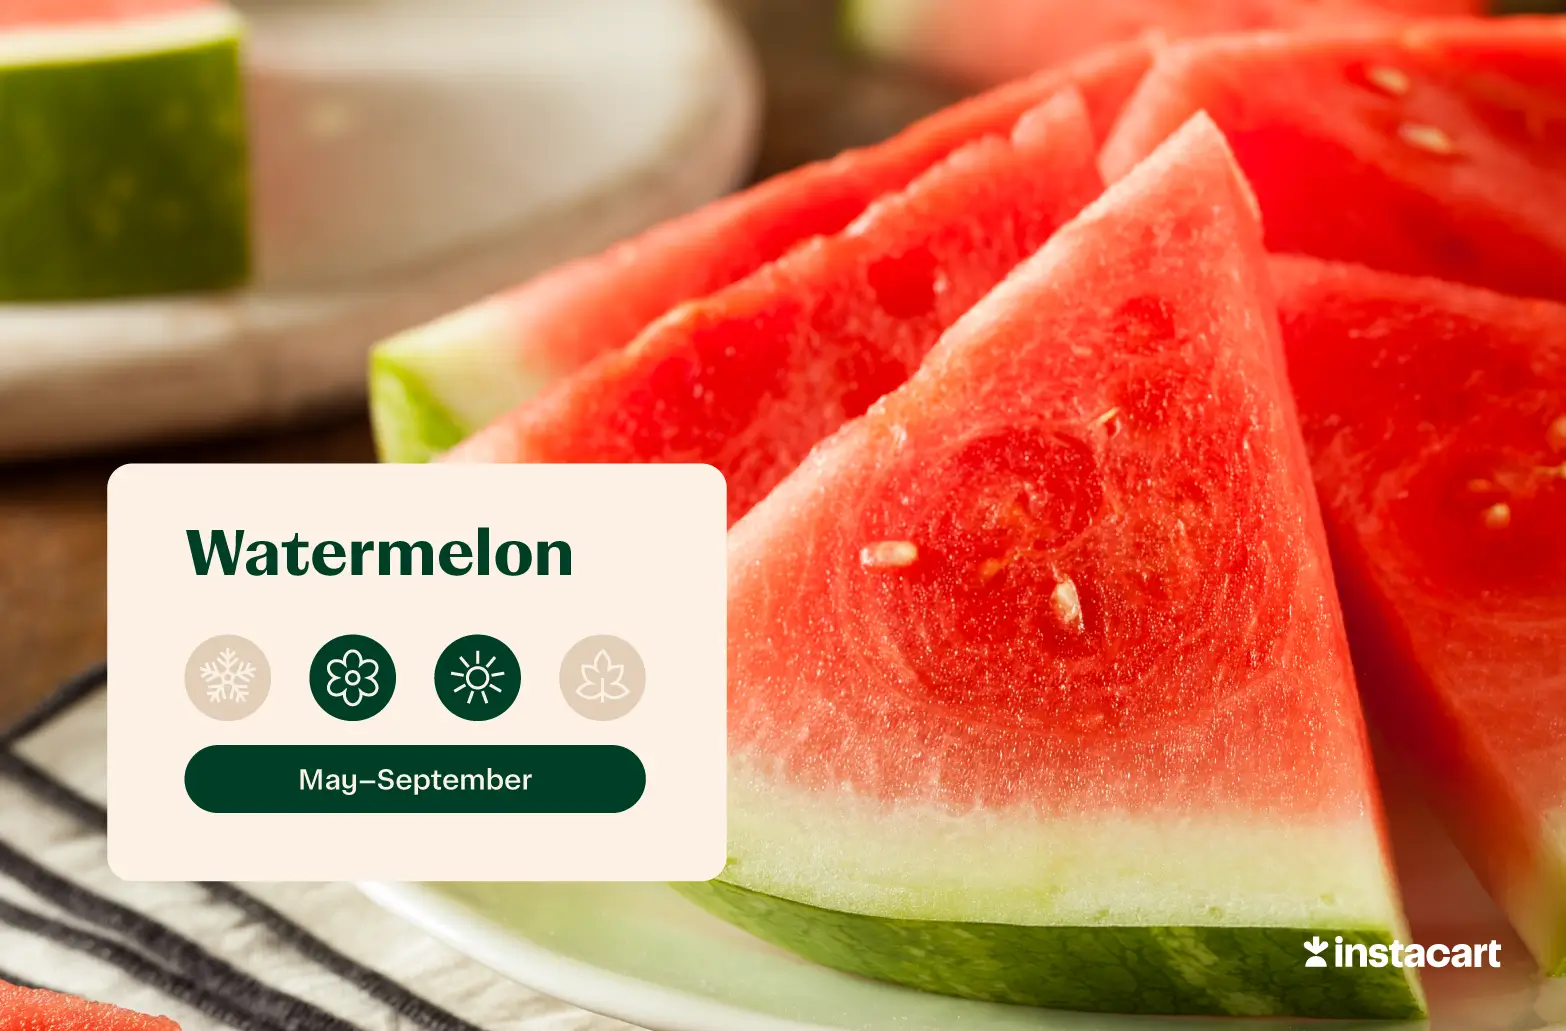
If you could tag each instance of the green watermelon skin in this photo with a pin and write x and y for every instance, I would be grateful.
(125, 176)
(1234, 971)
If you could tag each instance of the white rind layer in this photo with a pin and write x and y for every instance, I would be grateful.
(914, 862)
(104, 41)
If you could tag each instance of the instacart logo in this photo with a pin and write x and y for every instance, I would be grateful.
(1360, 954)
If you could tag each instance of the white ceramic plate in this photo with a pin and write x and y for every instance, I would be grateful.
(643, 954)
(409, 156)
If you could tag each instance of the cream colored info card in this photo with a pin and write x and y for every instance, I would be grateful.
(396, 672)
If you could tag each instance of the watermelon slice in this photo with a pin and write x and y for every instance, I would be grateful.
(1435, 415)
(979, 42)
(751, 377)
(434, 385)
(31, 1009)
(1038, 690)
(1437, 150)
(123, 135)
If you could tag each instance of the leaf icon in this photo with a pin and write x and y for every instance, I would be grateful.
(602, 679)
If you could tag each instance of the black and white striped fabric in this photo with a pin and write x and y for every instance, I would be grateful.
(253, 957)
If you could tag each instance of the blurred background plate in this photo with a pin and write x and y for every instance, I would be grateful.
(409, 156)
(641, 953)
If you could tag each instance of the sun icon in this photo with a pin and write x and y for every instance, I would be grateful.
(478, 677)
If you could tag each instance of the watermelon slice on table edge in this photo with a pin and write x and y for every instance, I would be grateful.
(433, 385)
(42, 1009)
(149, 191)
(1439, 148)
(982, 42)
(876, 916)
(1512, 834)
(750, 377)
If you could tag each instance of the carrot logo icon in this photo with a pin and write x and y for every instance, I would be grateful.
(1315, 947)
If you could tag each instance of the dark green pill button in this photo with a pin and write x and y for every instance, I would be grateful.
(415, 779)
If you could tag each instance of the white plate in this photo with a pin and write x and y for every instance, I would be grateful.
(643, 954)
(410, 156)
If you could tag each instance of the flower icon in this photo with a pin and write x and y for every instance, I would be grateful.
(352, 677)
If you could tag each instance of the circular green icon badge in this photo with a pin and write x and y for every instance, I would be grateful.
(352, 677)
(477, 677)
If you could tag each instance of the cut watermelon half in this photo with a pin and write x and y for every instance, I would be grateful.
(1435, 415)
(31, 1009)
(432, 386)
(1433, 150)
(979, 42)
(123, 134)
(751, 377)
(1038, 689)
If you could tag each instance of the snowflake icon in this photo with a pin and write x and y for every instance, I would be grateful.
(228, 677)
(603, 680)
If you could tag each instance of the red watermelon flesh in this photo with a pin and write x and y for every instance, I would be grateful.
(29, 1009)
(1037, 667)
(1436, 150)
(1436, 420)
(42, 13)
(569, 316)
(751, 377)
(988, 41)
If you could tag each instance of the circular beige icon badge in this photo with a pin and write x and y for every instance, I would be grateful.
(602, 677)
(227, 677)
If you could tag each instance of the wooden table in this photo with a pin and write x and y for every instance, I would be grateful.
(820, 99)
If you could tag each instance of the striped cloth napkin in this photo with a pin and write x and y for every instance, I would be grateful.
(254, 957)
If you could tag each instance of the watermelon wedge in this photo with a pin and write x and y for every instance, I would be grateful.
(980, 42)
(123, 134)
(748, 379)
(434, 385)
(1435, 415)
(31, 1009)
(1038, 689)
(1436, 150)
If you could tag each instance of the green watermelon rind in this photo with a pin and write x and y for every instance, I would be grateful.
(879, 27)
(410, 424)
(1231, 971)
(133, 177)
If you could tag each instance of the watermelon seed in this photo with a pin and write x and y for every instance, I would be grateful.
(1498, 516)
(1391, 81)
(1555, 436)
(1427, 138)
(1480, 486)
(888, 555)
(1067, 605)
(1109, 419)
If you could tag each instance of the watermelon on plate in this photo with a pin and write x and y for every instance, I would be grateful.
(1433, 150)
(980, 42)
(434, 385)
(1038, 688)
(749, 378)
(1435, 415)
(32, 1009)
(123, 166)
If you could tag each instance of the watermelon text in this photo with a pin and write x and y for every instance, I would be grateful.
(232, 555)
